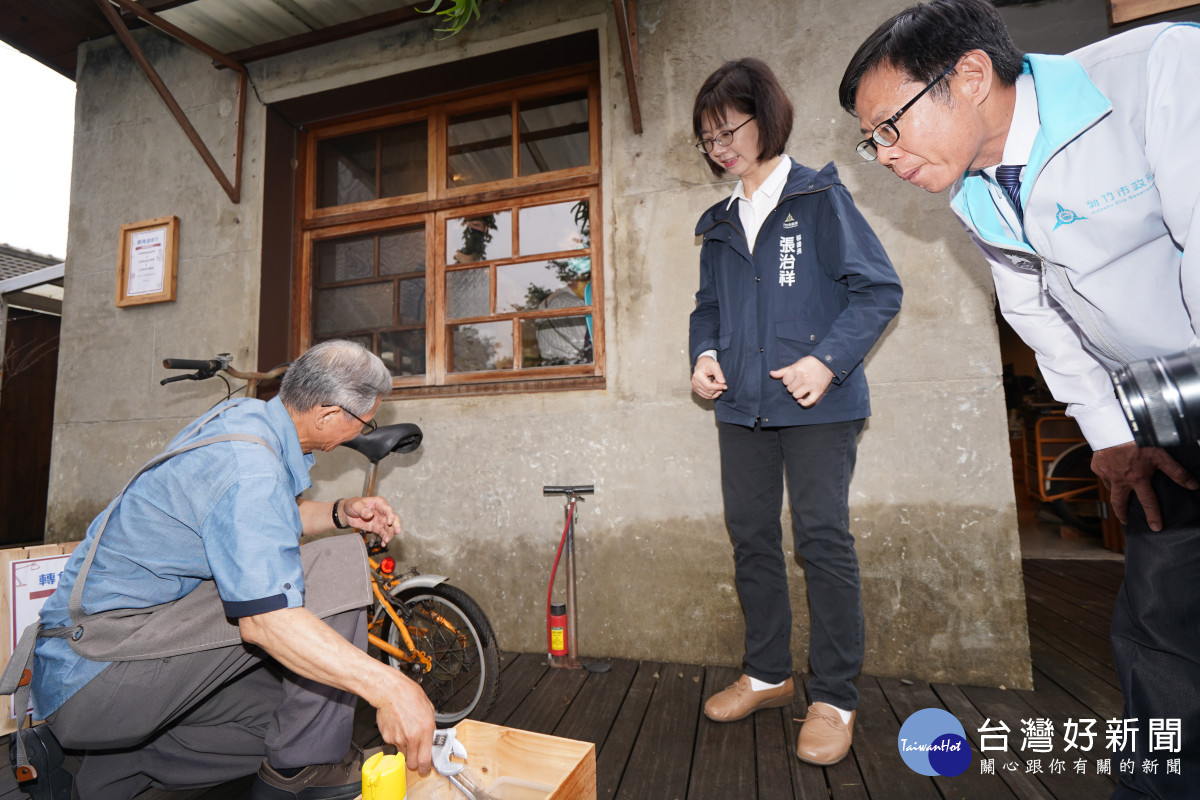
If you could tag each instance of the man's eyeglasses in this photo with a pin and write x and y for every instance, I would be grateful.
(368, 427)
(724, 138)
(886, 133)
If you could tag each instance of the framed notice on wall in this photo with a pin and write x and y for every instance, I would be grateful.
(147, 261)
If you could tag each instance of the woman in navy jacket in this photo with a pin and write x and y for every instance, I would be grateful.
(795, 288)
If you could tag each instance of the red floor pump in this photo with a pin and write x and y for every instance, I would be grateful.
(561, 633)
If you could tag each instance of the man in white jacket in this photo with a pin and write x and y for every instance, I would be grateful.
(1078, 177)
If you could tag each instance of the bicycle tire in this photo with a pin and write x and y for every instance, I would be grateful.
(465, 678)
(1073, 464)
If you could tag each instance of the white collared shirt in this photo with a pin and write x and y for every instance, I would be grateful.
(753, 210)
(1022, 132)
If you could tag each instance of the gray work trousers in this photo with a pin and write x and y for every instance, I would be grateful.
(203, 718)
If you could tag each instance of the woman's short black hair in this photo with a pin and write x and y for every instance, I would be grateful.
(924, 40)
(749, 86)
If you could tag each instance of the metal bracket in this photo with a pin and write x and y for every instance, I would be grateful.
(626, 11)
(232, 187)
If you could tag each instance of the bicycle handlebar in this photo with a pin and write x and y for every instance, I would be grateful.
(588, 489)
(209, 365)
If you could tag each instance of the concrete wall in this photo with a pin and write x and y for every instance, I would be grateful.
(932, 498)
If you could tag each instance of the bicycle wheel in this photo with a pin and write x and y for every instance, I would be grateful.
(1072, 472)
(449, 627)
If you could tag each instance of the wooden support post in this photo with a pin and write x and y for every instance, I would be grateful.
(626, 11)
(232, 187)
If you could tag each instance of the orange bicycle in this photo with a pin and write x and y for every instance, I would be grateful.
(434, 632)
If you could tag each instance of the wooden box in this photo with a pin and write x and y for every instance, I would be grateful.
(567, 766)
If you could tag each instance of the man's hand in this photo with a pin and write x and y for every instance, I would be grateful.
(806, 380)
(1127, 468)
(372, 514)
(708, 381)
(405, 719)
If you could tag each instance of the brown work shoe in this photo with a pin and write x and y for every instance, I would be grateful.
(341, 781)
(824, 738)
(740, 701)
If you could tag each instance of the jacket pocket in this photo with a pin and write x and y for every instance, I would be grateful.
(796, 338)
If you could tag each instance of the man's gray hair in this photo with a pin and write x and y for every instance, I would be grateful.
(336, 372)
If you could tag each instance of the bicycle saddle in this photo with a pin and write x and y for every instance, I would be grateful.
(376, 445)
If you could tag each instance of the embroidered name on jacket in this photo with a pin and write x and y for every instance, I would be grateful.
(789, 248)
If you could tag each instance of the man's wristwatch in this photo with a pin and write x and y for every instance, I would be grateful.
(337, 521)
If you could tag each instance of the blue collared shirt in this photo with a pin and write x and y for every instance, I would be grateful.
(225, 512)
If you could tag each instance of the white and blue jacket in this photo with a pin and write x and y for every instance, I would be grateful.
(1101, 273)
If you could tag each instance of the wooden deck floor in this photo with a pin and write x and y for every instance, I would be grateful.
(653, 743)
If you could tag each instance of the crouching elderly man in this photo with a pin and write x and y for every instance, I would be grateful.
(244, 652)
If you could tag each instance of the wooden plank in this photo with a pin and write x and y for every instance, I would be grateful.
(1074, 672)
(876, 731)
(1122, 11)
(613, 757)
(517, 681)
(1087, 643)
(7, 724)
(1094, 616)
(907, 699)
(1020, 783)
(548, 700)
(1011, 707)
(723, 762)
(1094, 600)
(595, 708)
(662, 754)
(1079, 573)
(774, 752)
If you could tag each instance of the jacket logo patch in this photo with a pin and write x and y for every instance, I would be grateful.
(1065, 216)
(789, 248)
(790, 222)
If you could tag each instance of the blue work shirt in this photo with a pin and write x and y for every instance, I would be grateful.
(224, 512)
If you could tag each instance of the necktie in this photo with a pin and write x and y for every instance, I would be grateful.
(1009, 176)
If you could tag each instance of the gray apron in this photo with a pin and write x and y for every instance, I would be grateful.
(336, 577)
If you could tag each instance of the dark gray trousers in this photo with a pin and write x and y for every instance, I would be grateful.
(1156, 641)
(203, 718)
(818, 460)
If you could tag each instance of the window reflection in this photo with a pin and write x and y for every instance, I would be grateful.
(481, 346)
(554, 133)
(554, 228)
(479, 237)
(367, 166)
(479, 147)
(525, 287)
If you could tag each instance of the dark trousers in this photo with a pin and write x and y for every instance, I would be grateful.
(203, 718)
(818, 460)
(1156, 639)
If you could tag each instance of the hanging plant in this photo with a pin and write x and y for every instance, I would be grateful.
(456, 16)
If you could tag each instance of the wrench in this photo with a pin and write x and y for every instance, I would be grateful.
(445, 745)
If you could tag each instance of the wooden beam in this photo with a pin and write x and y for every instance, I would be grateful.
(232, 187)
(1122, 11)
(626, 12)
(33, 302)
(343, 30)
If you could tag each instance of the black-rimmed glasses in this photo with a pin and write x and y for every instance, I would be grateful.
(886, 134)
(368, 427)
(723, 138)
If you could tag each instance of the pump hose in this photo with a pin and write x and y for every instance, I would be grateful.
(554, 569)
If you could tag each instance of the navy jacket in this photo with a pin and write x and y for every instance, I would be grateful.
(819, 283)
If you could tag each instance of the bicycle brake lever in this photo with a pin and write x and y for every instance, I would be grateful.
(173, 378)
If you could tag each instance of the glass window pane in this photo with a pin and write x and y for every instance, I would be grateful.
(345, 259)
(553, 228)
(346, 169)
(479, 237)
(352, 308)
(480, 147)
(403, 352)
(468, 293)
(542, 284)
(554, 133)
(484, 345)
(403, 150)
(412, 301)
(556, 341)
(402, 252)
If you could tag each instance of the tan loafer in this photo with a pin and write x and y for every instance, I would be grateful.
(740, 701)
(824, 738)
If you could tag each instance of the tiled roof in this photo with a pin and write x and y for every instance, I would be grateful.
(14, 262)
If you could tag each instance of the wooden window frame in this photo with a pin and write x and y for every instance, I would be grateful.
(439, 203)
